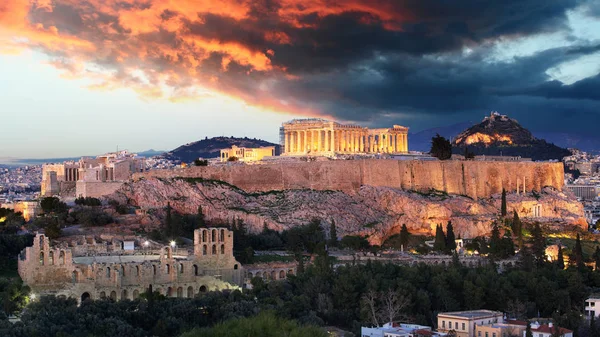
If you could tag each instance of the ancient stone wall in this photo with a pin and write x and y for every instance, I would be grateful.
(476, 179)
(96, 189)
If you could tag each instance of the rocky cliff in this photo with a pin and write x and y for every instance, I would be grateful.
(376, 211)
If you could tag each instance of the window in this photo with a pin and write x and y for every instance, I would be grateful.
(493, 334)
(168, 269)
(222, 249)
(463, 326)
(455, 325)
(487, 334)
(443, 324)
(478, 333)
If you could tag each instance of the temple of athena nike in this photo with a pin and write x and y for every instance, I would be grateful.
(317, 136)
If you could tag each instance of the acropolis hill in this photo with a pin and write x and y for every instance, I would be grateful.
(371, 197)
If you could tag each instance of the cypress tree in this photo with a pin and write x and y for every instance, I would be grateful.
(200, 218)
(597, 257)
(495, 243)
(517, 228)
(560, 260)
(578, 251)
(440, 239)
(538, 244)
(333, 240)
(404, 236)
(528, 332)
(169, 220)
(503, 205)
(450, 238)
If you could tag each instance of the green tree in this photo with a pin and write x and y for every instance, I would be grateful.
(517, 228)
(200, 219)
(596, 257)
(495, 241)
(200, 162)
(355, 242)
(450, 238)
(439, 243)
(440, 148)
(404, 236)
(503, 204)
(578, 252)
(53, 205)
(53, 230)
(333, 240)
(528, 332)
(560, 260)
(538, 244)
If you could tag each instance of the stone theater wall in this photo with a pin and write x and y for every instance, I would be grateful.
(476, 179)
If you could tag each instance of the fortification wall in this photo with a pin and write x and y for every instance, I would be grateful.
(96, 189)
(476, 179)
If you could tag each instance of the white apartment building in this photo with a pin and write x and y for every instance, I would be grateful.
(592, 306)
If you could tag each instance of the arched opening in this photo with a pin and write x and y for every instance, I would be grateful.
(204, 236)
(61, 258)
(222, 249)
(107, 272)
(124, 294)
(222, 236)
(153, 270)
(196, 270)
(281, 274)
(190, 292)
(235, 266)
(214, 235)
(290, 272)
(137, 270)
(169, 291)
(214, 249)
(136, 294)
(74, 276)
(123, 271)
(85, 296)
(113, 295)
(273, 275)
(102, 295)
(264, 276)
(203, 289)
(41, 258)
(41, 242)
(51, 258)
(250, 276)
(204, 249)
(181, 268)
(168, 269)
(180, 292)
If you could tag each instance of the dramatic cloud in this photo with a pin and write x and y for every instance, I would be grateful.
(362, 60)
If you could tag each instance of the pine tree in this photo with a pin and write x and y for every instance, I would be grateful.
(440, 239)
(404, 236)
(450, 238)
(560, 260)
(440, 148)
(503, 206)
(333, 240)
(578, 251)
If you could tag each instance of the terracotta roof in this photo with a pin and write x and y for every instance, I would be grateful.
(516, 322)
(548, 329)
(423, 332)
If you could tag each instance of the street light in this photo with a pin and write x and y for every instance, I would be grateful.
(173, 244)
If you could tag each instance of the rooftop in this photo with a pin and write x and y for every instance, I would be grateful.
(472, 314)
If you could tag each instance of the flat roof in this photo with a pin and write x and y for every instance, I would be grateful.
(472, 314)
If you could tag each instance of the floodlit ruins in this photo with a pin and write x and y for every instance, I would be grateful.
(90, 177)
(247, 154)
(317, 136)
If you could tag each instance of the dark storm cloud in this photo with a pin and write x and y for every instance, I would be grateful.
(371, 61)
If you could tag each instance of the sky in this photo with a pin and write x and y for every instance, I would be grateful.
(81, 77)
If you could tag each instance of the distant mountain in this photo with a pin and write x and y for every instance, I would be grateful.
(421, 141)
(500, 135)
(150, 153)
(211, 148)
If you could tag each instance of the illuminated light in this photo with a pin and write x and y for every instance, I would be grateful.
(173, 244)
(32, 297)
(146, 243)
(478, 137)
(2, 219)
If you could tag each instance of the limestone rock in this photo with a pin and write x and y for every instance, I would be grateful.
(376, 211)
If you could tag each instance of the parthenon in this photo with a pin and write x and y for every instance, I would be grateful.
(322, 137)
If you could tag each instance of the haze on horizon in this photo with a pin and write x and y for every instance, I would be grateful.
(82, 77)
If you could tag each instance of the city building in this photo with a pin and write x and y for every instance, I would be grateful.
(90, 177)
(585, 192)
(501, 329)
(247, 154)
(397, 330)
(548, 330)
(321, 137)
(464, 323)
(592, 306)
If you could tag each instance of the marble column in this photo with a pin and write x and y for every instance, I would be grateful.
(332, 140)
(293, 142)
(405, 142)
(286, 142)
